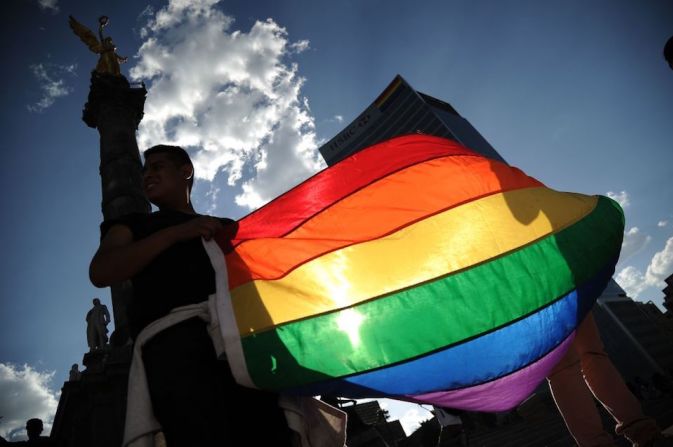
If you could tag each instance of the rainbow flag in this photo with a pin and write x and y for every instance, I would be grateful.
(415, 269)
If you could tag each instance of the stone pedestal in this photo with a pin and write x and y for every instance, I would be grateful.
(91, 411)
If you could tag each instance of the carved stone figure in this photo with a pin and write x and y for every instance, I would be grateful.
(75, 373)
(96, 330)
(109, 60)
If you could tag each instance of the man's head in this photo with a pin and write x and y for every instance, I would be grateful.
(34, 428)
(168, 174)
(668, 52)
(96, 302)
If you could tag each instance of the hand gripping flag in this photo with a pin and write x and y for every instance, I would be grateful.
(415, 269)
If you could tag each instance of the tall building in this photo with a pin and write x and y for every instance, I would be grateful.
(401, 110)
(632, 336)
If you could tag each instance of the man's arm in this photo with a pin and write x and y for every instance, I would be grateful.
(119, 257)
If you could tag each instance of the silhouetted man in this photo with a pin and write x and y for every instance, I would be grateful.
(97, 320)
(193, 395)
(34, 428)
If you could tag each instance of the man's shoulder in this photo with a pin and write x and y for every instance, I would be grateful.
(131, 220)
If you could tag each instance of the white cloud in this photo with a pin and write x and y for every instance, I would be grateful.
(620, 197)
(335, 119)
(413, 417)
(409, 414)
(51, 5)
(232, 98)
(52, 85)
(299, 46)
(661, 265)
(634, 241)
(147, 12)
(212, 196)
(25, 394)
(662, 223)
(634, 282)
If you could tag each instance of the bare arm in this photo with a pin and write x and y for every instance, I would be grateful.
(119, 257)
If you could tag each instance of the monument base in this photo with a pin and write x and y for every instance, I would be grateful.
(92, 410)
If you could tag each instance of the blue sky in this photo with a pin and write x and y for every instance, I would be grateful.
(575, 93)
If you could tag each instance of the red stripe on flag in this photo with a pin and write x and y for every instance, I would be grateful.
(294, 207)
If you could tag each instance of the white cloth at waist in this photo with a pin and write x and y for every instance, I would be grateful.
(316, 423)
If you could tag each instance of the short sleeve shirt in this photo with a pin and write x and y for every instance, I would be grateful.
(180, 275)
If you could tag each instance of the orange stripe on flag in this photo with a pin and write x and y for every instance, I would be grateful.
(396, 200)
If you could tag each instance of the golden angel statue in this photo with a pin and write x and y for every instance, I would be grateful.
(109, 59)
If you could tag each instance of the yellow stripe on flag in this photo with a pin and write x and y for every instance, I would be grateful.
(441, 244)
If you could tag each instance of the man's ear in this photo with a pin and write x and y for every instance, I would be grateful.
(187, 171)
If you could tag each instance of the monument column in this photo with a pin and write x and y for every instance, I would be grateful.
(92, 407)
(115, 109)
(91, 410)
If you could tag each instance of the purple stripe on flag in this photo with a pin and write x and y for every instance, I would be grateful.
(501, 394)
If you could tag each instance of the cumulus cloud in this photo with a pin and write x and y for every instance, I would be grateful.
(25, 394)
(634, 241)
(52, 84)
(232, 98)
(662, 223)
(620, 197)
(49, 5)
(634, 282)
(661, 265)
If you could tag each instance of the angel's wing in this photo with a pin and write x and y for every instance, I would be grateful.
(87, 36)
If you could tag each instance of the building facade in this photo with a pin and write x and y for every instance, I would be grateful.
(633, 335)
(401, 110)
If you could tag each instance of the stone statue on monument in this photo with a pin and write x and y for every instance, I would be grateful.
(97, 320)
(75, 373)
(109, 60)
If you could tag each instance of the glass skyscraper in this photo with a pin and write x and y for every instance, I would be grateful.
(401, 110)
